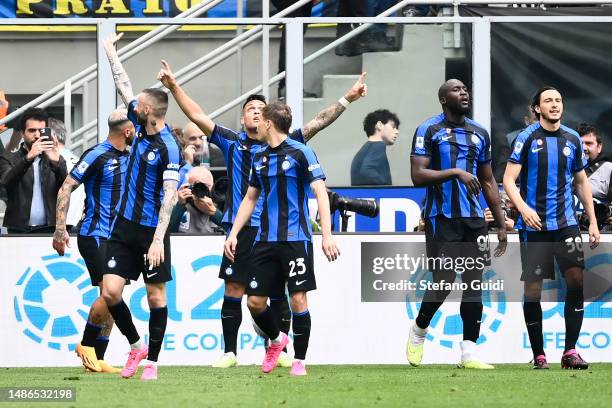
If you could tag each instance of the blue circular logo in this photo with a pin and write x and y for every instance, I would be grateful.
(52, 300)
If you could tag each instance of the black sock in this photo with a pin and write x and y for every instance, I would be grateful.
(267, 323)
(123, 320)
(533, 319)
(432, 300)
(231, 317)
(157, 329)
(280, 308)
(90, 334)
(471, 314)
(301, 333)
(101, 345)
(574, 312)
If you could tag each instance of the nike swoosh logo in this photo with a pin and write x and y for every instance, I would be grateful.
(446, 137)
(578, 310)
(111, 168)
(298, 283)
(536, 150)
(151, 274)
(297, 334)
(259, 167)
(286, 320)
(225, 317)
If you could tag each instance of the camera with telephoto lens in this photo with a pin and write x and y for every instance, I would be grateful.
(369, 208)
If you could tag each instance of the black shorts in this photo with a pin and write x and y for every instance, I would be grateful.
(127, 248)
(539, 249)
(460, 239)
(92, 251)
(276, 263)
(239, 271)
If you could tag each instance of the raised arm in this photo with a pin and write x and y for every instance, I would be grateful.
(60, 236)
(584, 193)
(328, 115)
(189, 107)
(122, 81)
(155, 256)
(330, 249)
(244, 214)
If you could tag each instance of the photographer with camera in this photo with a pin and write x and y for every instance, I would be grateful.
(509, 211)
(599, 173)
(32, 176)
(195, 211)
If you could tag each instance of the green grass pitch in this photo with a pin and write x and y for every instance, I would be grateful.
(509, 385)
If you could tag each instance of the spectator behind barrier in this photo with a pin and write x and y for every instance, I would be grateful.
(75, 212)
(32, 176)
(599, 173)
(370, 165)
(195, 211)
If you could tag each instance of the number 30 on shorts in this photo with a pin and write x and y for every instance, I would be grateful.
(297, 267)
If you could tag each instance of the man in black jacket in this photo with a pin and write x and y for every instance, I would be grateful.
(32, 177)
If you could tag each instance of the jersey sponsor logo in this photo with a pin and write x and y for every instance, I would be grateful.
(286, 164)
(82, 167)
(567, 151)
(313, 167)
(518, 146)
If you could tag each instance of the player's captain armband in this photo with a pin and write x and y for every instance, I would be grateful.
(171, 175)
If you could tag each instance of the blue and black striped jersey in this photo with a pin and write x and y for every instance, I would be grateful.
(101, 170)
(239, 150)
(452, 146)
(548, 161)
(153, 159)
(283, 174)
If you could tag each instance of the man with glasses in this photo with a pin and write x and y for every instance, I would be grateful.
(32, 176)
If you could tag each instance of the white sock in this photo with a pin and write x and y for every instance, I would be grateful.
(278, 339)
(419, 335)
(468, 349)
(230, 354)
(149, 362)
(137, 345)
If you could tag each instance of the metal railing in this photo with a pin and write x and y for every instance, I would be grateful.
(87, 132)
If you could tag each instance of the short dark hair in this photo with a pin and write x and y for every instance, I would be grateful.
(254, 97)
(535, 101)
(379, 115)
(33, 113)
(586, 128)
(280, 115)
(161, 101)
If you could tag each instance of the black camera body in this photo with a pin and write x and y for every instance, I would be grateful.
(200, 190)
